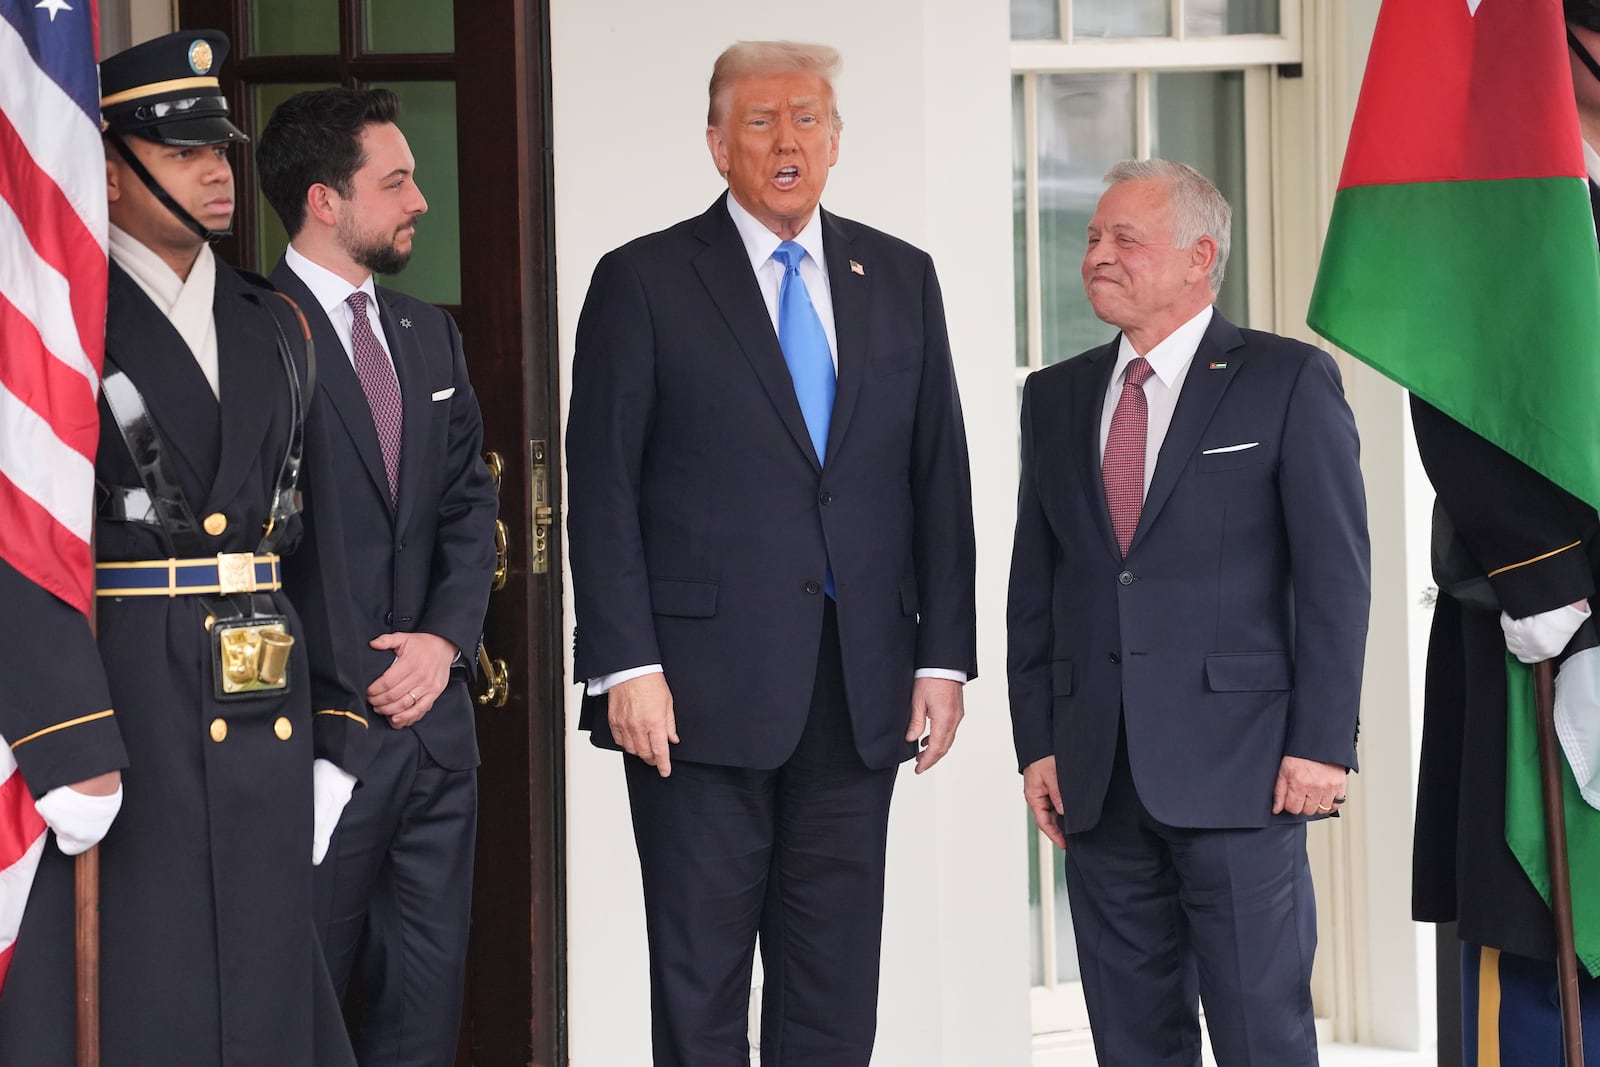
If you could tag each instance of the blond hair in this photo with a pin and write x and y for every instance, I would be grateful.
(764, 58)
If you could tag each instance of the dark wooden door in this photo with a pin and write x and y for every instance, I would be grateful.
(473, 78)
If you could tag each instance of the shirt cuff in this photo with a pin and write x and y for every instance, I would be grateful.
(600, 685)
(940, 672)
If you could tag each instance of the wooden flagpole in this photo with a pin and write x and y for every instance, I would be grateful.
(1555, 830)
(86, 886)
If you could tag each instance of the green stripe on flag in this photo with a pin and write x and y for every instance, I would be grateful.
(1483, 298)
(1525, 816)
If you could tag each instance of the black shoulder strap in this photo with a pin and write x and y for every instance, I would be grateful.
(166, 499)
(285, 498)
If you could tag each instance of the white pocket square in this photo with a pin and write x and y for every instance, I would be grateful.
(445, 394)
(1230, 448)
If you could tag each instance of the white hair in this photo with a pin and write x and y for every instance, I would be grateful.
(1198, 208)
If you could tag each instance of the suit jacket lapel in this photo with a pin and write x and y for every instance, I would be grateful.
(337, 379)
(250, 376)
(415, 396)
(147, 347)
(724, 268)
(852, 304)
(1087, 408)
(1202, 390)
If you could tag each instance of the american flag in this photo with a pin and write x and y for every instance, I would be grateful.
(52, 342)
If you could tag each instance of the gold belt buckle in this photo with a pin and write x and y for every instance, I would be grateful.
(236, 572)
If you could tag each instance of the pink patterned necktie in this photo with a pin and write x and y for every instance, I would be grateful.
(378, 381)
(1123, 466)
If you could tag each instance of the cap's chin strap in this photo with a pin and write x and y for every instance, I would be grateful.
(162, 195)
(1583, 54)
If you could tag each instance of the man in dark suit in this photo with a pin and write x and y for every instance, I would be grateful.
(772, 552)
(1187, 621)
(208, 439)
(1520, 575)
(419, 513)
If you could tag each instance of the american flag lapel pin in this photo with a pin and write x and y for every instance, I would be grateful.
(856, 268)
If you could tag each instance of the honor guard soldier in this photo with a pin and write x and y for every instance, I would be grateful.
(221, 683)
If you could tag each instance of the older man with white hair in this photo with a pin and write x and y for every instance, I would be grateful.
(1187, 622)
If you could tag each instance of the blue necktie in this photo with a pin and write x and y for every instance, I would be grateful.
(805, 348)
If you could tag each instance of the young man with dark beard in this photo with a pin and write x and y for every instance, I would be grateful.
(395, 889)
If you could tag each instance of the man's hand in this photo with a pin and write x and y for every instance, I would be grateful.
(640, 713)
(1043, 794)
(331, 789)
(421, 669)
(936, 706)
(81, 813)
(1306, 787)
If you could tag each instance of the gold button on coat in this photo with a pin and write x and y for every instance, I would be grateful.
(215, 523)
(219, 729)
(283, 728)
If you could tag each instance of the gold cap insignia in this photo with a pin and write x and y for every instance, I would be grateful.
(200, 57)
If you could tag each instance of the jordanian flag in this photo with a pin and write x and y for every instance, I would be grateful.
(1461, 262)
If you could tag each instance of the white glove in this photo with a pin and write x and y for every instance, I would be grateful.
(1542, 636)
(1578, 720)
(79, 820)
(330, 792)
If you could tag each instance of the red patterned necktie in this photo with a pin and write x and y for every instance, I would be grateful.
(378, 381)
(1123, 466)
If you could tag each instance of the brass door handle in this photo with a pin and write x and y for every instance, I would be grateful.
(494, 673)
(502, 550)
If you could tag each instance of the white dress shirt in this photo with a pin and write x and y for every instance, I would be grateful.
(1170, 361)
(331, 292)
(759, 244)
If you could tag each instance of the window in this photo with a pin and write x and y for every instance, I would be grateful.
(1095, 82)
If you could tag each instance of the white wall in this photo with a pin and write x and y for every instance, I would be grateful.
(926, 155)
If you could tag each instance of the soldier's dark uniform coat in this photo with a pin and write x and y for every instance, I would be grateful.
(208, 955)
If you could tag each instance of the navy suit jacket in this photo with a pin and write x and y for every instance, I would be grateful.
(701, 525)
(426, 564)
(1234, 632)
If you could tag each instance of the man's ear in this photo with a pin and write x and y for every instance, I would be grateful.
(322, 204)
(113, 182)
(1203, 255)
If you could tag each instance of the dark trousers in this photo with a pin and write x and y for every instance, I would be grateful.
(1166, 915)
(794, 855)
(1511, 1011)
(393, 899)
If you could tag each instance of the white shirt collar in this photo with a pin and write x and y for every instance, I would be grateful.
(1591, 162)
(1168, 358)
(330, 290)
(760, 242)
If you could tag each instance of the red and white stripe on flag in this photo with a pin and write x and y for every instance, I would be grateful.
(52, 344)
(21, 843)
(52, 291)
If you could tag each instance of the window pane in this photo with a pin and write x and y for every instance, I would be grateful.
(271, 239)
(1085, 126)
(428, 119)
(1033, 20)
(1215, 18)
(1019, 218)
(1200, 121)
(294, 26)
(410, 25)
(1066, 940)
(1121, 18)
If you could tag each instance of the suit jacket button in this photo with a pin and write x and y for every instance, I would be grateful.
(1126, 577)
(215, 523)
(826, 498)
(1115, 658)
(813, 587)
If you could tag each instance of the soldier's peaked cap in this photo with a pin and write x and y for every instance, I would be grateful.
(166, 90)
